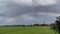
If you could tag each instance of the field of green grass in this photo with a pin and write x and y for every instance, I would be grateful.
(26, 30)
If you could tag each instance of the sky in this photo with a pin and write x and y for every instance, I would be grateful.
(28, 11)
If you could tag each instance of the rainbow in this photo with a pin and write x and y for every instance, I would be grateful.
(50, 13)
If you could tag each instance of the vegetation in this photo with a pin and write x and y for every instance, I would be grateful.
(53, 28)
(27, 30)
(56, 25)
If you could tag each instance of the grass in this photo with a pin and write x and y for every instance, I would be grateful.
(26, 30)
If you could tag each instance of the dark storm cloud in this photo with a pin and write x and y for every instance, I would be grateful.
(13, 9)
(16, 10)
(46, 9)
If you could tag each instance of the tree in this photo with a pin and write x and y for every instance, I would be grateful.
(56, 25)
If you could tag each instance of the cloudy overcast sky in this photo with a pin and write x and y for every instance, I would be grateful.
(28, 11)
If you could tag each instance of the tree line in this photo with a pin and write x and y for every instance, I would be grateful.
(27, 25)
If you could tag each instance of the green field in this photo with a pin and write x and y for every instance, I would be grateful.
(26, 30)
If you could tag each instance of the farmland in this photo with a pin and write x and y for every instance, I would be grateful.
(27, 30)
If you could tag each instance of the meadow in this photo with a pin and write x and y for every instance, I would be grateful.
(27, 30)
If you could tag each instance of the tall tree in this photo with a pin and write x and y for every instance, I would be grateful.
(58, 23)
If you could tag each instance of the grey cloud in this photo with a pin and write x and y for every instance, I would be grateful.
(16, 9)
(46, 9)
(13, 9)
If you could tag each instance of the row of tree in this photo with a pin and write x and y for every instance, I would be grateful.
(27, 25)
